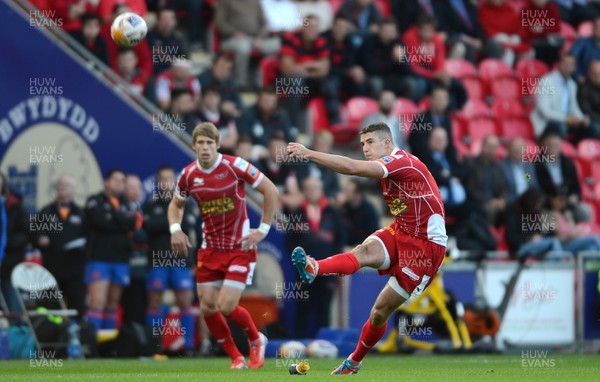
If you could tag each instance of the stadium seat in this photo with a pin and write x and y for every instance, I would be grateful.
(567, 31)
(479, 128)
(269, 66)
(508, 108)
(594, 175)
(460, 68)
(588, 150)
(585, 29)
(318, 114)
(359, 108)
(474, 109)
(531, 68)
(506, 88)
(458, 132)
(569, 150)
(492, 68)
(515, 127)
(336, 5)
(384, 6)
(473, 87)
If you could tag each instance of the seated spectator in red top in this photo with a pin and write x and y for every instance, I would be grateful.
(106, 7)
(89, 36)
(502, 24)
(349, 77)
(68, 12)
(426, 55)
(166, 44)
(540, 21)
(177, 77)
(211, 112)
(305, 67)
(129, 70)
(142, 51)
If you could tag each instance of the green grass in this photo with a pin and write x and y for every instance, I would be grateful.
(446, 368)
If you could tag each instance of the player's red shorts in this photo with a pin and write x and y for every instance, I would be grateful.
(414, 262)
(234, 268)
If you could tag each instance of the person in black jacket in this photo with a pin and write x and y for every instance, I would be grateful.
(167, 269)
(89, 36)
(17, 239)
(318, 228)
(554, 170)
(63, 249)
(408, 11)
(109, 248)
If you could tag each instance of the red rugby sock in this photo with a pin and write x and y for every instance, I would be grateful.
(369, 337)
(219, 329)
(343, 264)
(241, 318)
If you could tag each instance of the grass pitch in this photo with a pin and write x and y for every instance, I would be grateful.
(446, 368)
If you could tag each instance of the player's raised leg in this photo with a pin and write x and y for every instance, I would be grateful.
(373, 330)
(368, 254)
(209, 295)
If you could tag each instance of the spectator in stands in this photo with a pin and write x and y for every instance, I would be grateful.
(437, 115)
(588, 95)
(263, 119)
(89, 36)
(426, 55)
(529, 231)
(349, 78)
(142, 50)
(382, 57)
(176, 78)
(324, 234)
(386, 113)
(244, 149)
(183, 111)
(134, 296)
(220, 75)
(128, 68)
(556, 104)
(316, 7)
(554, 170)
(465, 37)
(540, 21)
(243, 29)
(278, 166)
(502, 24)
(519, 172)
(575, 12)
(569, 234)
(360, 216)
(106, 7)
(305, 66)
(365, 13)
(67, 13)
(408, 11)
(585, 50)
(109, 244)
(15, 225)
(63, 252)
(485, 183)
(193, 10)
(166, 44)
(323, 142)
(210, 112)
(166, 268)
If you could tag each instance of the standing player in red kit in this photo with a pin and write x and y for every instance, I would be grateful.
(227, 257)
(411, 249)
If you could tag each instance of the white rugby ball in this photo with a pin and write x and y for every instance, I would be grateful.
(321, 349)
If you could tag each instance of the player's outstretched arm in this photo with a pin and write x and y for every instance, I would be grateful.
(337, 163)
(179, 240)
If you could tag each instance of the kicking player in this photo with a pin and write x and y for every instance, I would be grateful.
(227, 258)
(411, 249)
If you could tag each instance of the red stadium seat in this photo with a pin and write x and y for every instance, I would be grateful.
(336, 5)
(384, 6)
(531, 68)
(424, 104)
(269, 66)
(359, 108)
(492, 68)
(406, 110)
(318, 114)
(473, 87)
(594, 175)
(568, 149)
(507, 108)
(567, 31)
(479, 128)
(460, 68)
(474, 109)
(588, 151)
(585, 29)
(506, 88)
(515, 127)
